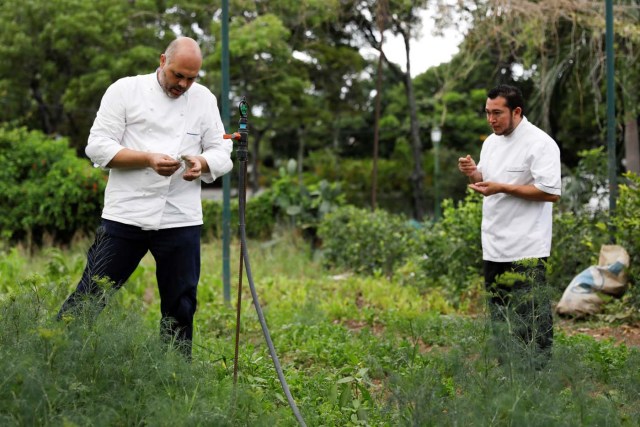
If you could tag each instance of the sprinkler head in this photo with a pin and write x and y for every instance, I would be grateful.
(243, 107)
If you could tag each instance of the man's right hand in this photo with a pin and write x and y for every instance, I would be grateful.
(131, 159)
(467, 165)
(163, 165)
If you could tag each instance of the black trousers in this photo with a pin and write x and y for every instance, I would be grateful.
(117, 251)
(520, 308)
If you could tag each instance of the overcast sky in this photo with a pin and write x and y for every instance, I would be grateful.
(426, 52)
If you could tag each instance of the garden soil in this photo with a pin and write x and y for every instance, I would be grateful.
(628, 334)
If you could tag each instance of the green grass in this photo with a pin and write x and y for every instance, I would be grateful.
(355, 351)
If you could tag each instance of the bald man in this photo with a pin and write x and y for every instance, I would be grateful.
(159, 135)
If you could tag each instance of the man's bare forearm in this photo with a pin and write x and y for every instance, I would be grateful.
(127, 158)
(529, 192)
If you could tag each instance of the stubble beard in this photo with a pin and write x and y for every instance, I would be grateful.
(507, 131)
(162, 81)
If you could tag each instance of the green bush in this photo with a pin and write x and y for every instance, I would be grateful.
(365, 241)
(212, 220)
(303, 205)
(45, 188)
(579, 227)
(393, 183)
(259, 218)
(449, 252)
(627, 229)
(287, 202)
(577, 238)
(585, 183)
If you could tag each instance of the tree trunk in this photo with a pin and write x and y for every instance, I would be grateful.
(632, 145)
(300, 153)
(417, 177)
(45, 115)
(376, 134)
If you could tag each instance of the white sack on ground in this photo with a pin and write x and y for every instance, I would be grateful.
(609, 277)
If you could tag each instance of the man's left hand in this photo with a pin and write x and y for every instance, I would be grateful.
(193, 168)
(486, 188)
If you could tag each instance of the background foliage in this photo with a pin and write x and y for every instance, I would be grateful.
(307, 72)
(45, 189)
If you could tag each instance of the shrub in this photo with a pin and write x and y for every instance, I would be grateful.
(288, 202)
(627, 229)
(449, 252)
(577, 238)
(393, 183)
(584, 189)
(46, 188)
(259, 217)
(580, 224)
(365, 241)
(212, 220)
(303, 205)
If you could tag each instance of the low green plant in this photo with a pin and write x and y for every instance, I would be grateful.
(355, 350)
(109, 370)
(12, 265)
(456, 388)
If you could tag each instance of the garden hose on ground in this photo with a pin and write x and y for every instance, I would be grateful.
(242, 152)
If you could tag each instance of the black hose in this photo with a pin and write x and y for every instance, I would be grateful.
(254, 295)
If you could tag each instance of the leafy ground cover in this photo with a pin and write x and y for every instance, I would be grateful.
(355, 351)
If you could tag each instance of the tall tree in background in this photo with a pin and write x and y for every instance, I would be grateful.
(58, 57)
(294, 62)
(381, 17)
(300, 64)
(404, 20)
(559, 47)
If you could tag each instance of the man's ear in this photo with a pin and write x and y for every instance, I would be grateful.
(518, 111)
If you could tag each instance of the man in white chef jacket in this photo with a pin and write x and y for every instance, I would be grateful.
(160, 135)
(519, 176)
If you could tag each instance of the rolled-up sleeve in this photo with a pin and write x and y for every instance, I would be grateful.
(546, 169)
(108, 127)
(215, 149)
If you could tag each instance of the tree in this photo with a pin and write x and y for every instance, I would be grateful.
(59, 56)
(557, 48)
(300, 75)
(403, 19)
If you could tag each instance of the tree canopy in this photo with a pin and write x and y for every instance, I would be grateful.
(302, 67)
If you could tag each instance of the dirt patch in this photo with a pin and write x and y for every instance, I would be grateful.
(627, 334)
(358, 325)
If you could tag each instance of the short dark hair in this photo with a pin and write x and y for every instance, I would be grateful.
(511, 93)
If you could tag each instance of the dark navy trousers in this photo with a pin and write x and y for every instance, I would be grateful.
(117, 251)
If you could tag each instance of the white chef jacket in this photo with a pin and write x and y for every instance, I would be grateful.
(514, 228)
(135, 113)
